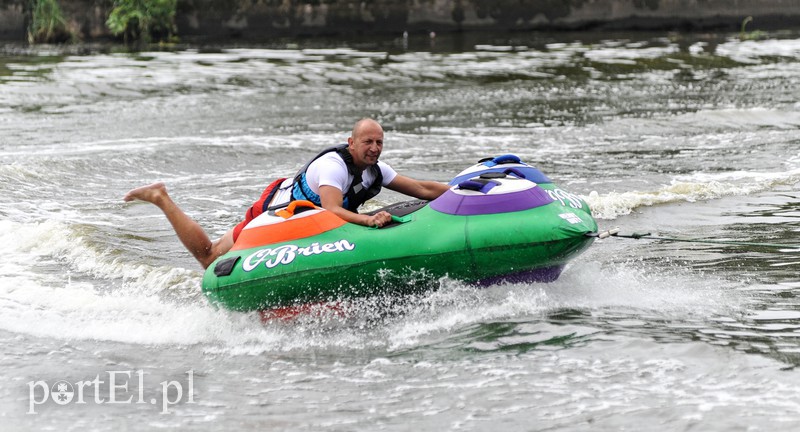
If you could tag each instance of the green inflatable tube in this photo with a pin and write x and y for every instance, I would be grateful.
(501, 221)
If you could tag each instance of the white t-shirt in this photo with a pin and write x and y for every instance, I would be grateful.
(330, 170)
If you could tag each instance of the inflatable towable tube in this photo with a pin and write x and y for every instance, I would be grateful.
(501, 221)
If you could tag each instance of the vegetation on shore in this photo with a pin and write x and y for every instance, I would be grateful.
(143, 20)
(47, 23)
(750, 35)
(135, 21)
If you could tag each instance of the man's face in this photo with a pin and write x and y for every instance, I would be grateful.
(366, 144)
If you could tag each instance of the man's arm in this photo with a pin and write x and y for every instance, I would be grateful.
(332, 200)
(421, 189)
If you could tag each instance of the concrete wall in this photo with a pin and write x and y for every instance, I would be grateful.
(258, 19)
(12, 20)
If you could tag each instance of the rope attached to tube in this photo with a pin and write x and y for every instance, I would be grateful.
(648, 236)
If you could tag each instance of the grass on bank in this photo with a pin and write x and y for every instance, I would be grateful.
(134, 20)
(47, 23)
(143, 20)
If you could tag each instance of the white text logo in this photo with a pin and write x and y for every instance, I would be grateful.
(571, 218)
(287, 253)
(565, 197)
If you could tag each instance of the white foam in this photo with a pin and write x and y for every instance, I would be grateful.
(53, 284)
(93, 295)
(628, 56)
(633, 287)
(751, 51)
(691, 188)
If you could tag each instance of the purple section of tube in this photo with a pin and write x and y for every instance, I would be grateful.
(544, 274)
(467, 205)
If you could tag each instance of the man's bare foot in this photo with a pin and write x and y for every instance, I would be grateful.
(151, 193)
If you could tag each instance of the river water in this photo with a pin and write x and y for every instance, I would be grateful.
(103, 325)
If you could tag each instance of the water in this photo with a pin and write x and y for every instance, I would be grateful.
(691, 136)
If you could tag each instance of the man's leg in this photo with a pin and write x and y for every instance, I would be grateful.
(189, 232)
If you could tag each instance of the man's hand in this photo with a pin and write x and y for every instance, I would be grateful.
(379, 219)
(331, 198)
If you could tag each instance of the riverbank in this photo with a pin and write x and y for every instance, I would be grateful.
(219, 20)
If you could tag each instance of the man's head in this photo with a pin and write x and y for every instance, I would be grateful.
(366, 143)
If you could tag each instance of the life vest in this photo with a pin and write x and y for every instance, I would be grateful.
(258, 207)
(356, 195)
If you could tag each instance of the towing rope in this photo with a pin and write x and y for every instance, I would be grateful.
(637, 236)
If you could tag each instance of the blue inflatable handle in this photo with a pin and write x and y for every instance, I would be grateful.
(506, 158)
(478, 185)
(516, 172)
(509, 158)
(471, 185)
